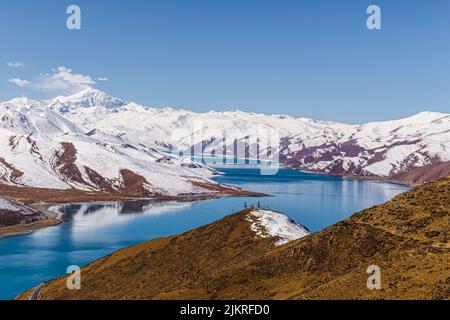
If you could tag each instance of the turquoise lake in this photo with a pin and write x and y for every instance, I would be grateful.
(94, 230)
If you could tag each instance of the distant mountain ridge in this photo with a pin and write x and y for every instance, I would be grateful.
(413, 150)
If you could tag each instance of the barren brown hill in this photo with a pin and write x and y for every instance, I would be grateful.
(426, 173)
(407, 237)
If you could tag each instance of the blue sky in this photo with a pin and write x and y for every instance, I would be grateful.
(311, 58)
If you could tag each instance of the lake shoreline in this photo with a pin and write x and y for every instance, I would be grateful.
(223, 192)
(349, 177)
(363, 178)
(55, 218)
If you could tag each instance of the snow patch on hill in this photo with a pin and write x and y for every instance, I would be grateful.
(14, 213)
(271, 224)
(14, 207)
(6, 204)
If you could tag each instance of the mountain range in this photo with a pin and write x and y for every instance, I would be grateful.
(93, 141)
(43, 148)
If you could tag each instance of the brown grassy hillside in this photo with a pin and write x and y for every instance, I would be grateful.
(408, 237)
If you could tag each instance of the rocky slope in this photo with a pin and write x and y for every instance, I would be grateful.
(241, 257)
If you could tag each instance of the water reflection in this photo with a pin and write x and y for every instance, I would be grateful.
(103, 214)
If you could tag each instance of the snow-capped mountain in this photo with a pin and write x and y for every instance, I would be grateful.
(42, 148)
(90, 99)
(101, 128)
(413, 149)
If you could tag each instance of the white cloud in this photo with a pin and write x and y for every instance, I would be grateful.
(19, 82)
(63, 79)
(16, 64)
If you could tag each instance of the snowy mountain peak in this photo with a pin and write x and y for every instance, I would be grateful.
(22, 102)
(87, 98)
(427, 116)
(424, 117)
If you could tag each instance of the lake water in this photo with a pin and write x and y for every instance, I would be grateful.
(95, 230)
